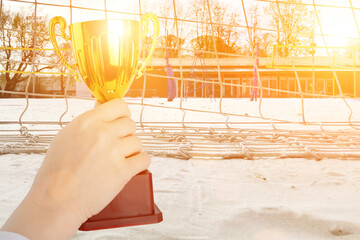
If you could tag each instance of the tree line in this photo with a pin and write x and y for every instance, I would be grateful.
(228, 34)
(224, 29)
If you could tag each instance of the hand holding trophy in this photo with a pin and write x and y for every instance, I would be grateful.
(107, 55)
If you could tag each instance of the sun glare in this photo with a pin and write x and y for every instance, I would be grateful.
(116, 26)
(340, 27)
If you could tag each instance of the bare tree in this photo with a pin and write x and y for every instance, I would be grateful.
(18, 32)
(257, 37)
(293, 24)
(223, 36)
(173, 43)
(175, 29)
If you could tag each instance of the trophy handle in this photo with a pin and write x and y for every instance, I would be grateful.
(146, 20)
(52, 24)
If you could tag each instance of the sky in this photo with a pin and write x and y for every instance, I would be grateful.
(335, 22)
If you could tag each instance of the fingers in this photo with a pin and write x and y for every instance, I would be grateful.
(128, 146)
(112, 110)
(138, 162)
(123, 127)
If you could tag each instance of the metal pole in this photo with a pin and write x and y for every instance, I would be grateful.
(354, 72)
(313, 73)
(313, 53)
(34, 80)
(333, 73)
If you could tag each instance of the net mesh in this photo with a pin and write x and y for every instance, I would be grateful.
(250, 79)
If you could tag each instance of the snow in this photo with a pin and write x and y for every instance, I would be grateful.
(218, 199)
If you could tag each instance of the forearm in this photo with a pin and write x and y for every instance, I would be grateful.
(38, 217)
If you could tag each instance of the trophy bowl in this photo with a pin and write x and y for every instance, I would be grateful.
(107, 52)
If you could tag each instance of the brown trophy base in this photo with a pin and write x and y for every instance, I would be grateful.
(134, 205)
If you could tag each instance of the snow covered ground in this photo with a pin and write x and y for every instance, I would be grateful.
(219, 199)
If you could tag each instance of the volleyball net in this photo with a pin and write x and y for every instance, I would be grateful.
(245, 79)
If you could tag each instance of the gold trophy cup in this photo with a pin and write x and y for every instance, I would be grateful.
(107, 57)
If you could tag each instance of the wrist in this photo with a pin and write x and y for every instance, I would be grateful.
(41, 216)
